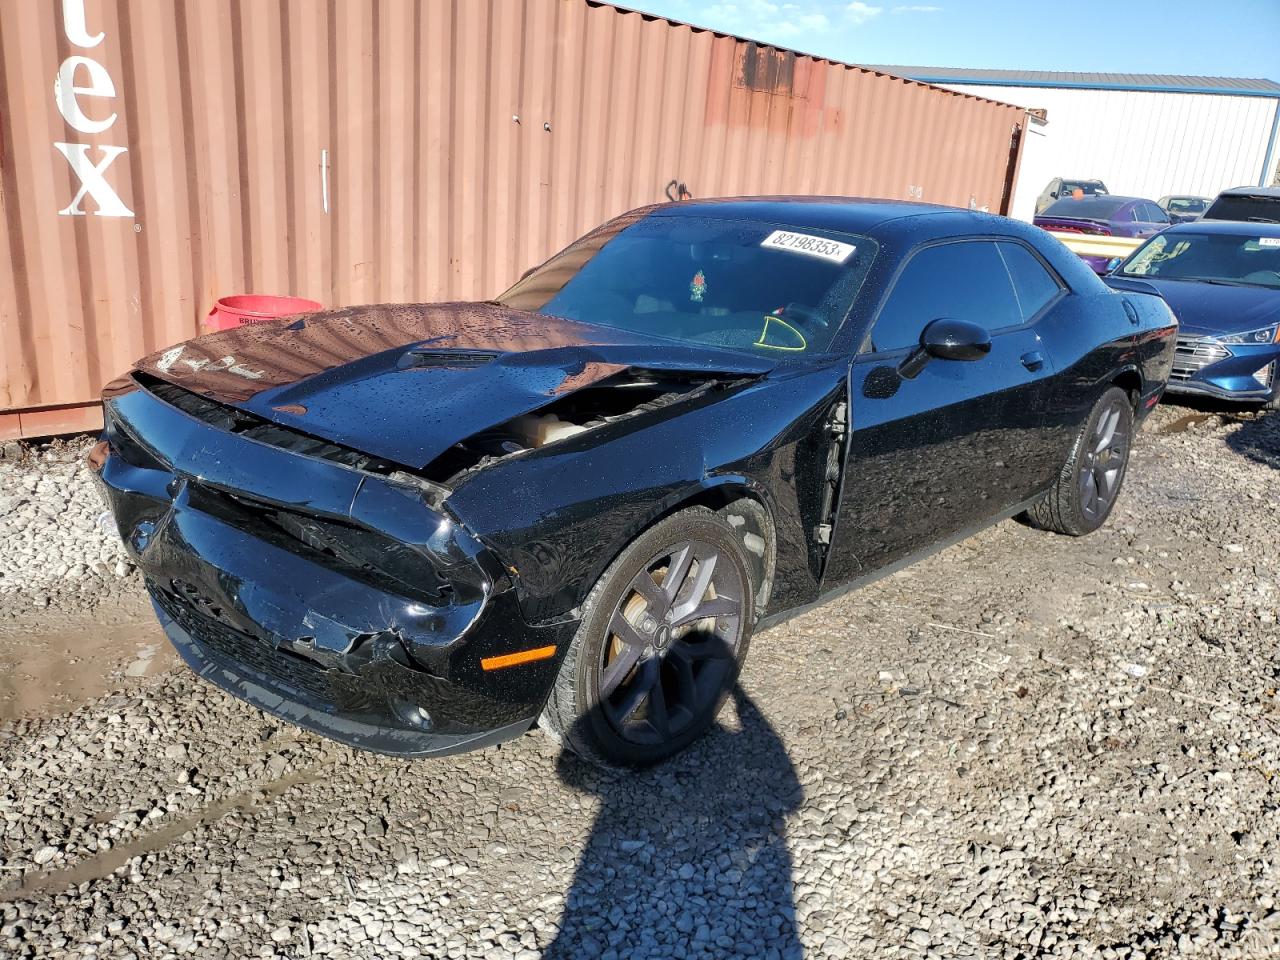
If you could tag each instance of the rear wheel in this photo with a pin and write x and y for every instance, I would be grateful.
(1085, 491)
(663, 636)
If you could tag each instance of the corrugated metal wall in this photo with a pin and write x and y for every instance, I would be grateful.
(156, 155)
(1140, 143)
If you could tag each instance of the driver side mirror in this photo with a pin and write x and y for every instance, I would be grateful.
(946, 339)
(1113, 263)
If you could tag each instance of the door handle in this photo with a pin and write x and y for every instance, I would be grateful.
(1033, 361)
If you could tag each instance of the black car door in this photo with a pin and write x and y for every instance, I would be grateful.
(963, 441)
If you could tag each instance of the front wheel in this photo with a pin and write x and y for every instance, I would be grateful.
(663, 636)
(1086, 489)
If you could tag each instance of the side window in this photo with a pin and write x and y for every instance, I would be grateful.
(1155, 214)
(1034, 285)
(1134, 212)
(964, 280)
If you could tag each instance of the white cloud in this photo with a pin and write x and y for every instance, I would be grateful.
(764, 19)
(917, 8)
(859, 13)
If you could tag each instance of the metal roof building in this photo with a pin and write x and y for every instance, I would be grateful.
(1144, 135)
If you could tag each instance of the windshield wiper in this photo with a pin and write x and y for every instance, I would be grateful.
(1216, 281)
(1262, 220)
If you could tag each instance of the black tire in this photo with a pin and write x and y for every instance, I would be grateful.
(688, 669)
(1099, 459)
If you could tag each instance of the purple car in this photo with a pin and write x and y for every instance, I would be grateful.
(1104, 216)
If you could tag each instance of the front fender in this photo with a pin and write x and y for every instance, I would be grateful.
(560, 514)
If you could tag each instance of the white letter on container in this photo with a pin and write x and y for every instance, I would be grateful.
(92, 181)
(73, 24)
(65, 92)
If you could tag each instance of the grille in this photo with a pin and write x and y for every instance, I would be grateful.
(237, 650)
(1191, 355)
(250, 425)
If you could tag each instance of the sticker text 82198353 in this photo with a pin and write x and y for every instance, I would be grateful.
(809, 245)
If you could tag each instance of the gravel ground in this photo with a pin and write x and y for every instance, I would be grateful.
(54, 551)
(1027, 746)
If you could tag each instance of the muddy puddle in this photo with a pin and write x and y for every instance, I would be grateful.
(1185, 423)
(49, 669)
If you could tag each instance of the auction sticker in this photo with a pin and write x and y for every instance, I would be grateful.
(809, 245)
(1269, 241)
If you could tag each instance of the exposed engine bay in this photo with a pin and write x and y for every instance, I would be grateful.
(632, 393)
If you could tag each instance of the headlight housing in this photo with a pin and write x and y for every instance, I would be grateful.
(1269, 334)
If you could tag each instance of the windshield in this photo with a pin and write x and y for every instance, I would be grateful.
(1089, 188)
(747, 285)
(1101, 207)
(1208, 257)
(1239, 207)
(1187, 204)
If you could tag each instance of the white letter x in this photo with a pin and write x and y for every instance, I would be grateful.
(92, 181)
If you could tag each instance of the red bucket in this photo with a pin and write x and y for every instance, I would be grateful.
(245, 308)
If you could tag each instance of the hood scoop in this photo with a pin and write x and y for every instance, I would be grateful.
(418, 359)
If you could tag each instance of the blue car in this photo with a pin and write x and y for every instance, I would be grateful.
(1222, 279)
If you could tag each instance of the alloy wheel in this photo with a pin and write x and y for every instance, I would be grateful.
(672, 643)
(1105, 455)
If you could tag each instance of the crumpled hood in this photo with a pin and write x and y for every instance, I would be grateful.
(1209, 309)
(407, 381)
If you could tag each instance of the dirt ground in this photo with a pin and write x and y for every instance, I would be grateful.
(1025, 746)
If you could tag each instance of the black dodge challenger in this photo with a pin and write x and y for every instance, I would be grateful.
(420, 529)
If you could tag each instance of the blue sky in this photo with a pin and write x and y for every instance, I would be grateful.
(1239, 38)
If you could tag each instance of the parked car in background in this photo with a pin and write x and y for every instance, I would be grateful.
(422, 528)
(1253, 204)
(1106, 216)
(1058, 188)
(1184, 209)
(1222, 279)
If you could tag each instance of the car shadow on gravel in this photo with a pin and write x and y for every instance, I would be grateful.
(1258, 437)
(1259, 440)
(688, 859)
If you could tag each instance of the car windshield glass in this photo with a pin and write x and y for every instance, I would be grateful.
(1100, 207)
(1187, 205)
(1262, 209)
(1208, 257)
(1089, 188)
(752, 286)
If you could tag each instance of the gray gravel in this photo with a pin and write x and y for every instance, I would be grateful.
(55, 548)
(1027, 746)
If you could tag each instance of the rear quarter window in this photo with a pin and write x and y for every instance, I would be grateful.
(1033, 284)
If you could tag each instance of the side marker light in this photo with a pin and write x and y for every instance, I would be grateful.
(515, 659)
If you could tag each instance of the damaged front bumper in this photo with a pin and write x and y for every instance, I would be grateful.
(346, 602)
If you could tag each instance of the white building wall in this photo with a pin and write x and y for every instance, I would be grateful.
(1038, 166)
(1141, 144)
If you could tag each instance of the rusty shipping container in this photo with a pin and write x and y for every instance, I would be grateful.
(157, 155)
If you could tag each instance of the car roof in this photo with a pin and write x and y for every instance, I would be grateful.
(850, 214)
(1237, 228)
(1271, 192)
